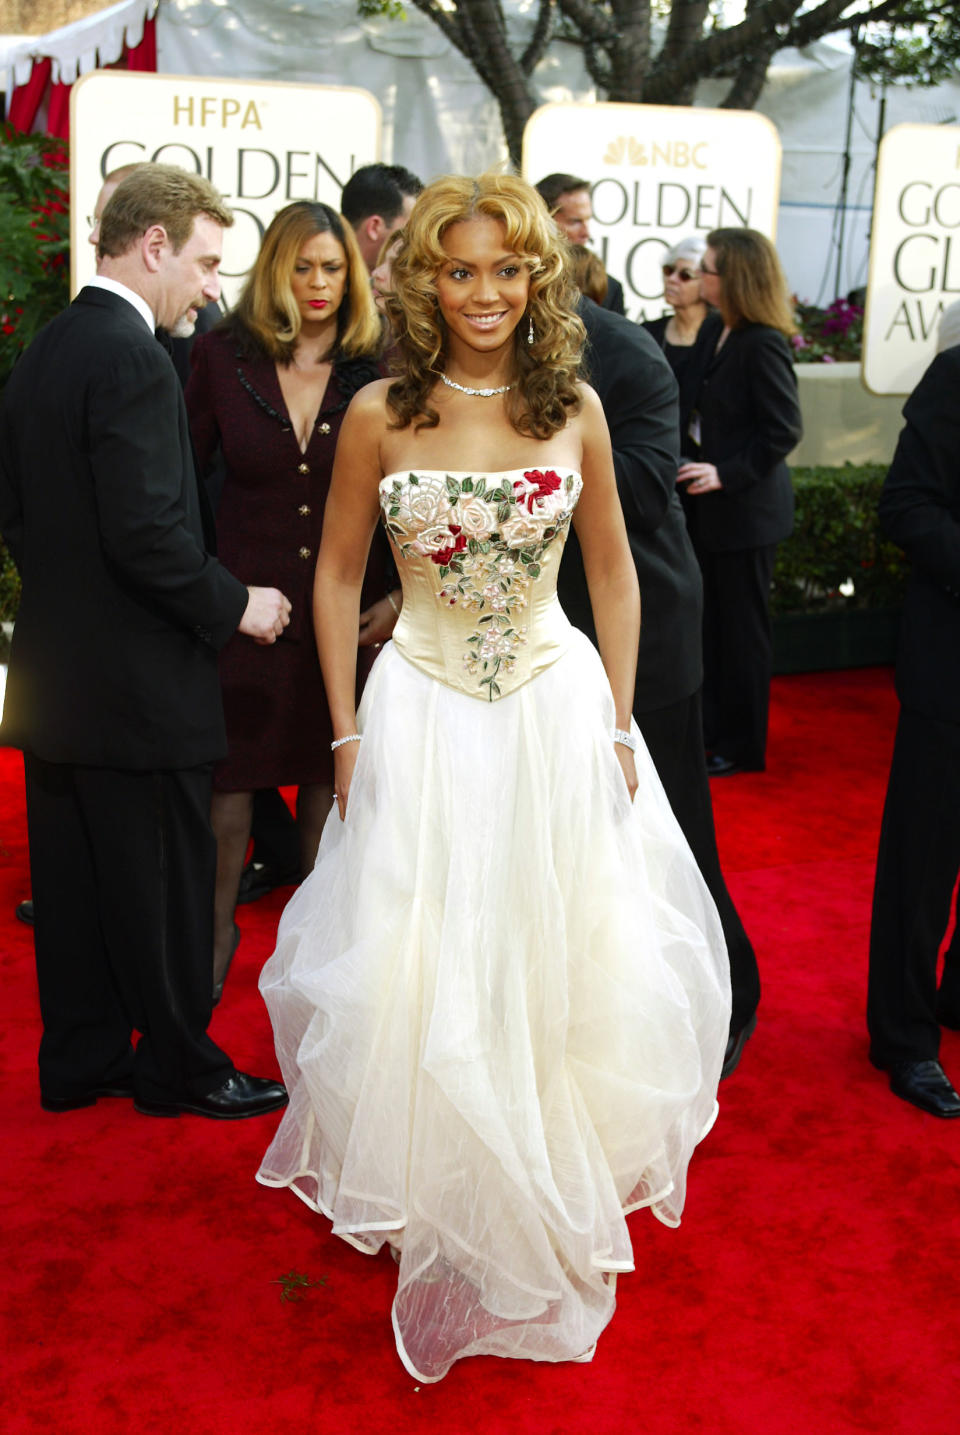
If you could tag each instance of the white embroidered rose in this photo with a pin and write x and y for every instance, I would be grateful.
(431, 538)
(476, 518)
(521, 529)
(423, 505)
(547, 507)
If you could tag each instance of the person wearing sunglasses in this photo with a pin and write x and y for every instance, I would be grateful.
(676, 332)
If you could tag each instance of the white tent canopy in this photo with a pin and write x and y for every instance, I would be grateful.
(77, 49)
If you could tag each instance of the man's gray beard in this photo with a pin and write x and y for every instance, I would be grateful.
(183, 328)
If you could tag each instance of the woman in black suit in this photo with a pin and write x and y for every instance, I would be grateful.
(740, 417)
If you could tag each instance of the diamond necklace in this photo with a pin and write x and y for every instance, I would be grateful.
(476, 393)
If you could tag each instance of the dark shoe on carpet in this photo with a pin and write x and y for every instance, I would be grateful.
(719, 766)
(924, 1084)
(257, 879)
(25, 911)
(121, 1087)
(736, 1041)
(240, 1095)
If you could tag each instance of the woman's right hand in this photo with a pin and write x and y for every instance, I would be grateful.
(344, 761)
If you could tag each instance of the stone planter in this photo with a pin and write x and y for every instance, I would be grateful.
(821, 642)
(842, 421)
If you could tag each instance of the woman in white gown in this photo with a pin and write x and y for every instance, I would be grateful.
(501, 999)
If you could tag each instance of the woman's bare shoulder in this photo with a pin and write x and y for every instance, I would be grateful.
(371, 400)
(589, 398)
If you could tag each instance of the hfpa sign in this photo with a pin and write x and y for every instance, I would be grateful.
(262, 144)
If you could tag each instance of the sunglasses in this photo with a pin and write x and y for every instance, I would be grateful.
(682, 273)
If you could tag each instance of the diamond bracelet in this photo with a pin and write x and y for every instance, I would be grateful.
(339, 741)
(627, 738)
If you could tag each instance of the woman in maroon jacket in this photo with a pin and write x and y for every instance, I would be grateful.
(269, 389)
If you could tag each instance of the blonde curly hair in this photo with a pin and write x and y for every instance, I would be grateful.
(545, 390)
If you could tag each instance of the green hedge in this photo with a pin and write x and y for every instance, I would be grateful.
(837, 543)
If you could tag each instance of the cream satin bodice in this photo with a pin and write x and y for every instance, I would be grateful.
(478, 555)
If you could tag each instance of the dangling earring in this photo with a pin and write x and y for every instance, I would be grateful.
(530, 331)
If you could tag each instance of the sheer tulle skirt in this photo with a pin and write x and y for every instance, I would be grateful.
(500, 1004)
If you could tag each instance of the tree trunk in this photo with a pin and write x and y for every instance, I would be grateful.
(630, 54)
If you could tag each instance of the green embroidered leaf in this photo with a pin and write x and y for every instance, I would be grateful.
(467, 486)
(503, 512)
(453, 487)
(480, 487)
(473, 546)
(534, 570)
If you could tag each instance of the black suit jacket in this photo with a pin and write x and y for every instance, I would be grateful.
(639, 397)
(920, 511)
(749, 413)
(114, 655)
(613, 299)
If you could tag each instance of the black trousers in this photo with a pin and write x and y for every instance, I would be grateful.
(123, 866)
(674, 736)
(917, 865)
(737, 653)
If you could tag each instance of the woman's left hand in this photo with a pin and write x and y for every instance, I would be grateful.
(701, 477)
(629, 767)
(376, 623)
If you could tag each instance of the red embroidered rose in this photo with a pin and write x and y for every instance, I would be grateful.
(546, 483)
(443, 555)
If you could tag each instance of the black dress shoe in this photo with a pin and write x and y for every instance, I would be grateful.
(240, 1095)
(258, 878)
(25, 911)
(736, 1041)
(719, 766)
(924, 1084)
(122, 1086)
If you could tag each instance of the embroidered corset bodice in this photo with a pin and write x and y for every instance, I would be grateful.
(478, 555)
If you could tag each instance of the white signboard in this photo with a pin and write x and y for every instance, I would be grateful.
(914, 253)
(658, 173)
(262, 145)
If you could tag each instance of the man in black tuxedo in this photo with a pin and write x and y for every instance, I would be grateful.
(113, 691)
(639, 396)
(568, 200)
(919, 855)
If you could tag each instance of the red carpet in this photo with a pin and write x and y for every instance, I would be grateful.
(811, 1290)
